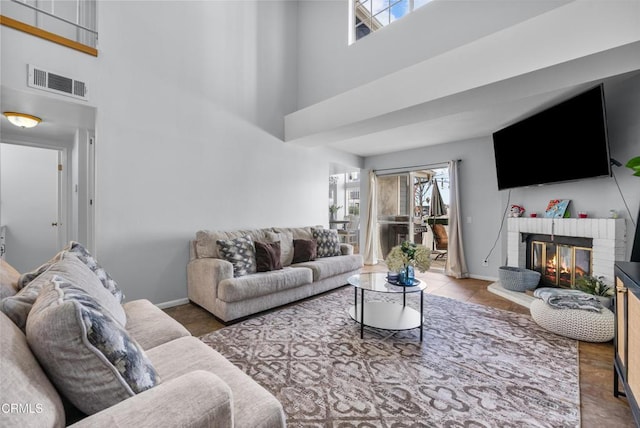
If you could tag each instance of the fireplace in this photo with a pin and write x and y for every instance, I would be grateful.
(607, 243)
(561, 260)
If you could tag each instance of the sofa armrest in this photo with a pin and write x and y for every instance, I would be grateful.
(195, 399)
(346, 249)
(203, 277)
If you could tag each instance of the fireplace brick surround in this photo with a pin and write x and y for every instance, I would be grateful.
(608, 235)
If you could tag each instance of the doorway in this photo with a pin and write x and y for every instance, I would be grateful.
(67, 128)
(411, 205)
(32, 208)
(344, 204)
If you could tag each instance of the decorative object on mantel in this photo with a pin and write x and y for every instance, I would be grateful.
(516, 211)
(557, 208)
(518, 279)
(596, 286)
(404, 258)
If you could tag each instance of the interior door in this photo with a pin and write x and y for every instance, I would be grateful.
(29, 208)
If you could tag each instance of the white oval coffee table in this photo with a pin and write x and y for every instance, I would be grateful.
(385, 315)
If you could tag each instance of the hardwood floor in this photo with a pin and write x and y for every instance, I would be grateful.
(599, 408)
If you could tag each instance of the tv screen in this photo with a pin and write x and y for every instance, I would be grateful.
(565, 142)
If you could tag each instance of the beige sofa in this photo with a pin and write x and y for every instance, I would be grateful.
(195, 385)
(213, 286)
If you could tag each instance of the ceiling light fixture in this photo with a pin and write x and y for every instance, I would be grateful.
(22, 120)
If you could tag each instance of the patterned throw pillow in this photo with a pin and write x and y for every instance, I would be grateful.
(328, 242)
(81, 252)
(268, 256)
(240, 252)
(103, 276)
(88, 356)
(71, 267)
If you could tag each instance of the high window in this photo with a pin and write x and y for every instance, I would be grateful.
(371, 15)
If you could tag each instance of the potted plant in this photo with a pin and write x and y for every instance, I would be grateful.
(596, 286)
(333, 209)
(634, 164)
(407, 256)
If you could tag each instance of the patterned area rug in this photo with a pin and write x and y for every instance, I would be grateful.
(476, 367)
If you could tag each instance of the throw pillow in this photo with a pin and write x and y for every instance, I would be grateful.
(286, 245)
(328, 242)
(268, 256)
(104, 277)
(8, 279)
(84, 255)
(240, 252)
(304, 250)
(88, 356)
(70, 266)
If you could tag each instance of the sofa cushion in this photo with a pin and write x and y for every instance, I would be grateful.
(70, 266)
(262, 284)
(286, 245)
(328, 242)
(83, 254)
(89, 357)
(149, 325)
(267, 256)
(304, 250)
(240, 252)
(297, 232)
(253, 405)
(330, 266)
(206, 240)
(8, 279)
(22, 381)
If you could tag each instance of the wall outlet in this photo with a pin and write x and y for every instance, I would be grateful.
(485, 263)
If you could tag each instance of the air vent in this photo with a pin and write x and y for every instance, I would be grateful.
(56, 83)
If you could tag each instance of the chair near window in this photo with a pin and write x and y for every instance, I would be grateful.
(441, 240)
(351, 232)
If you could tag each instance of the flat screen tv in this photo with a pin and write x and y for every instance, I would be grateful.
(565, 142)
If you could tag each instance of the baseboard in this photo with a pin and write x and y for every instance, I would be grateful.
(484, 278)
(523, 299)
(173, 303)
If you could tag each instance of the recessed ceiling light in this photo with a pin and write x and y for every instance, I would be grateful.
(22, 120)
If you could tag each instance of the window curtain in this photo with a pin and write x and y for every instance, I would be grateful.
(370, 252)
(456, 265)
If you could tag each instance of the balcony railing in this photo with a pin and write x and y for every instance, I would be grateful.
(70, 23)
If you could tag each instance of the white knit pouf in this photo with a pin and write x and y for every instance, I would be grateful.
(574, 323)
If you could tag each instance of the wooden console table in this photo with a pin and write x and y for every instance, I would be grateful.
(627, 334)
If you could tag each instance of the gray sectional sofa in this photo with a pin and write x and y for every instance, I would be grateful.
(60, 368)
(213, 285)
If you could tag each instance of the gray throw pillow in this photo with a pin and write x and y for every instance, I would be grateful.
(328, 242)
(84, 255)
(88, 356)
(70, 266)
(240, 252)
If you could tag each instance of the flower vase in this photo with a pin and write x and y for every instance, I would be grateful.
(406, 276)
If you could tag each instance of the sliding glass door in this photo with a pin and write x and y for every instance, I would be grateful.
(395, 208)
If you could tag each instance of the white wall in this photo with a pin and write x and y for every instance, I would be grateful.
(208, 87)
(190, 104)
